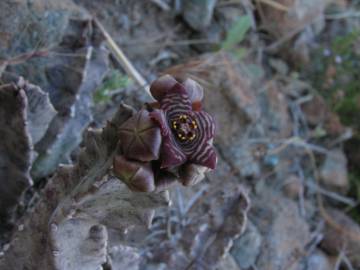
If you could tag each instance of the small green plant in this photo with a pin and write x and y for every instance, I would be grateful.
(236, 35)
(115, 80)
(334, 72)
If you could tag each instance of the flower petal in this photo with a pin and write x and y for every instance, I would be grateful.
(201, 150)
(171, 154)
(176, 100)
(191, 174)
(204, 134)
(205, 157)
(194, 90)
(159, 117)
(161, 86)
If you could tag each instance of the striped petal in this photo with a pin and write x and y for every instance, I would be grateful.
(171, 154)
(176, 100)
(201, 151)
(160, 87)
(163, 85)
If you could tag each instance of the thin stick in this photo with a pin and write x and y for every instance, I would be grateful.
(331, 194)
(123, 60)
(275, 5)
(164, 6)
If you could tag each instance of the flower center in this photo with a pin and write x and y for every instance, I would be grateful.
(184, 128)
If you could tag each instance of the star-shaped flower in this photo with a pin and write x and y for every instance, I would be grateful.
(187, 131)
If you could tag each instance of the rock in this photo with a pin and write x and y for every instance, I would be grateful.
(319, 261)
(342, 234)
(214, 36)
(293, 186)
(318, 113)
(242, 158)
(40, 22)
(227, 263)
(352, 147)
(80, 244)
(225, 220)
(285, 233)
(299, 13)
(275, 112)
(247, 247)
(333, 172)
(124, 257)
(198, 13)
(315, 110)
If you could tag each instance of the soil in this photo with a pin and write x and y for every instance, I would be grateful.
(277, 127)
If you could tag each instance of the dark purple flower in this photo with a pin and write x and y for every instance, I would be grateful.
(187, 131)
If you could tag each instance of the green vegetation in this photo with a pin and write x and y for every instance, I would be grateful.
(236, 35)
(335, 72)
(114, 81)
(338, 79)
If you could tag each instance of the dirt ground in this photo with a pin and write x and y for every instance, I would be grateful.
(280, 79)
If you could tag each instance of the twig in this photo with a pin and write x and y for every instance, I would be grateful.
(164, 6)
(343, 15)
(288, 36)
(328, 219)
(180, 202)
(123, 60)
(195, 198)
(348, 134)
(275, 5)
(330, 194)
(347, 262)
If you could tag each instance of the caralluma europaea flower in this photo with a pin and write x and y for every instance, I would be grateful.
(187, 131)
(169, 140)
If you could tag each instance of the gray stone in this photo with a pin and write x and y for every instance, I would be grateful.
(227, 263)
(283, 229)
(198, 13)
(293, 186)
(334, 171)
(318, 261)
(342, 235)
(247, 247)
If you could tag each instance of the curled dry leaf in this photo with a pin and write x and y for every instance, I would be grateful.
(15, 147)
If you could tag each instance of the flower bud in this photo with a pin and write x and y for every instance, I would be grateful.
(138, 176)
(191, 174)
(194, 90)
(140, 138)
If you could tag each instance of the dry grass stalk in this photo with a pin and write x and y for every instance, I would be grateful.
(123, 60)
